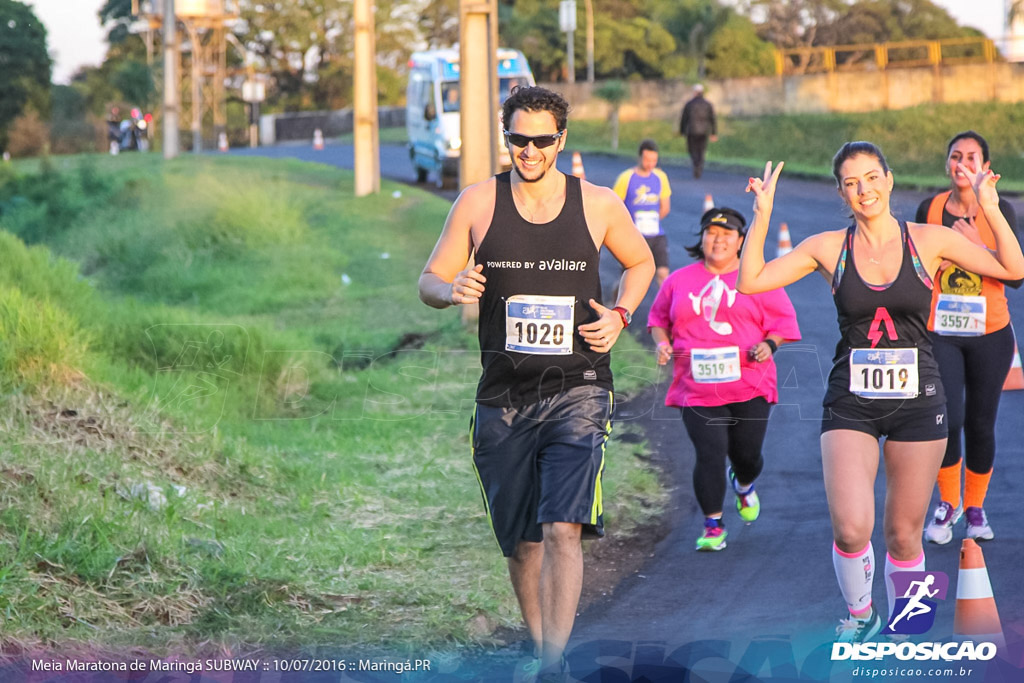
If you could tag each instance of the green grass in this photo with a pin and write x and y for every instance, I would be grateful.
(913, 140)
(227, 420)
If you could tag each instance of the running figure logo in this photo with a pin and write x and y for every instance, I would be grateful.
(914, 612)
(708, 300)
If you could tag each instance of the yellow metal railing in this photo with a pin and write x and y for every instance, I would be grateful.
(877, 56)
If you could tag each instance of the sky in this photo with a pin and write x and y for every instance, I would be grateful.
(76, 38)
(74, 34)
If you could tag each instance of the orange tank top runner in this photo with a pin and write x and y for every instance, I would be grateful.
(961, 283)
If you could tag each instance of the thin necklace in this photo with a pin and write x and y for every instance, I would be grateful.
(540, 203)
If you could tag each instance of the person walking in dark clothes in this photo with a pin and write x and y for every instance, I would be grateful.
(698, 125)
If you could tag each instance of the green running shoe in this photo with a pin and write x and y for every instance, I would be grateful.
(855, 630)
(747, 504)
(713, 537)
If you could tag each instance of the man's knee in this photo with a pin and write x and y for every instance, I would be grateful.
(562, 535)
(525, 551)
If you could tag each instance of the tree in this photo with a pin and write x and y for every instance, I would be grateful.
(614, 93)
(439, 23)
(879, 21)
(118, 15)
(25, 66)
(627, 40)
(735, 51)
(692, 23)
(135, 81)
(795, 23)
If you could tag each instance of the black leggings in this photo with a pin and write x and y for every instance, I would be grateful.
(736, 430)
(973, 370)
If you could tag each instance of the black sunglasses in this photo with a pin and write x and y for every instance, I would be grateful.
(539, 141)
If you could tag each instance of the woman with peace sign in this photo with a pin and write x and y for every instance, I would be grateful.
(973, 344)
(884, 380)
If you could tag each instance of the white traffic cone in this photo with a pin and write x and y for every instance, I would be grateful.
(318, 139)
(709, 203)
(577, 166)
(785, 243)
(976, 617)
(222, 142)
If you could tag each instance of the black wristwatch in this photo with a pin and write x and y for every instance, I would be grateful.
(626, 316)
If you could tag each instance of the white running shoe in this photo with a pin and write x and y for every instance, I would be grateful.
(977, 525)
(940, 530)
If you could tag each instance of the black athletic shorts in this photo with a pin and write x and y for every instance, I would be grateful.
(542, 463)
(917, 419)
(659, 247)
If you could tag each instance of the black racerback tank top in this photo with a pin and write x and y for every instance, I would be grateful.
(529, 344)
(894, 316)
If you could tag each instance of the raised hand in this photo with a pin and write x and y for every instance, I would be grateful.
(764, 188)
(984, 184)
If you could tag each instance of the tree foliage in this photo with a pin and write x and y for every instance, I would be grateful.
(25, 65)
(735, 51)
(306, 46)
(805, 23)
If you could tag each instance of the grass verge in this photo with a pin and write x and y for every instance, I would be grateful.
(228, 421)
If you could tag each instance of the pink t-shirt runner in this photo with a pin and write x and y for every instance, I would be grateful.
(702, 310)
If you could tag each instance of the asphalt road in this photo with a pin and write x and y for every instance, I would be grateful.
(769, 603)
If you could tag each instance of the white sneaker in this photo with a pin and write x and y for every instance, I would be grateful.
(940, 530)
(977, 525)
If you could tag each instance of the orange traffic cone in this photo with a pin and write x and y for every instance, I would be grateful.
(709, 203)
(1014, 378)
(318, 139)
(976, 615)
(785, 243)
(577, 166)
(222, 142)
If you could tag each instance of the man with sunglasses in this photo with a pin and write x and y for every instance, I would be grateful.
(544, 401)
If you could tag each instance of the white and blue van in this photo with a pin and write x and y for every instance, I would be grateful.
(432, 109)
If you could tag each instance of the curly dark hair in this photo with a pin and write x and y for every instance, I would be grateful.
(535, 99)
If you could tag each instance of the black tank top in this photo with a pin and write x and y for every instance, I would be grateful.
(895, 316)
(529, 345)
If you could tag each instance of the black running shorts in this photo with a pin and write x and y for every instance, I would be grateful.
(659, 248)
(918, 419)
(542, 463)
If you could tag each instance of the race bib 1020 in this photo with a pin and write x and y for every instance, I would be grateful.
(539, 324)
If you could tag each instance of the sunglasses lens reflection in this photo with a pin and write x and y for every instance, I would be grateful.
(539, 141)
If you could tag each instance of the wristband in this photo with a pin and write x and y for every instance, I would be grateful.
(772, 345)
(664, 343)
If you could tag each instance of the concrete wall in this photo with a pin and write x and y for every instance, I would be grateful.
(840, 91)
(300, 125)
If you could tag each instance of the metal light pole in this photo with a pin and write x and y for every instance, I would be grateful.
(171, 103)
(589, 4)
(567, 22)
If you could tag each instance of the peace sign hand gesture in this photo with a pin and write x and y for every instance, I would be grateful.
(984, 184)
(764, 188)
